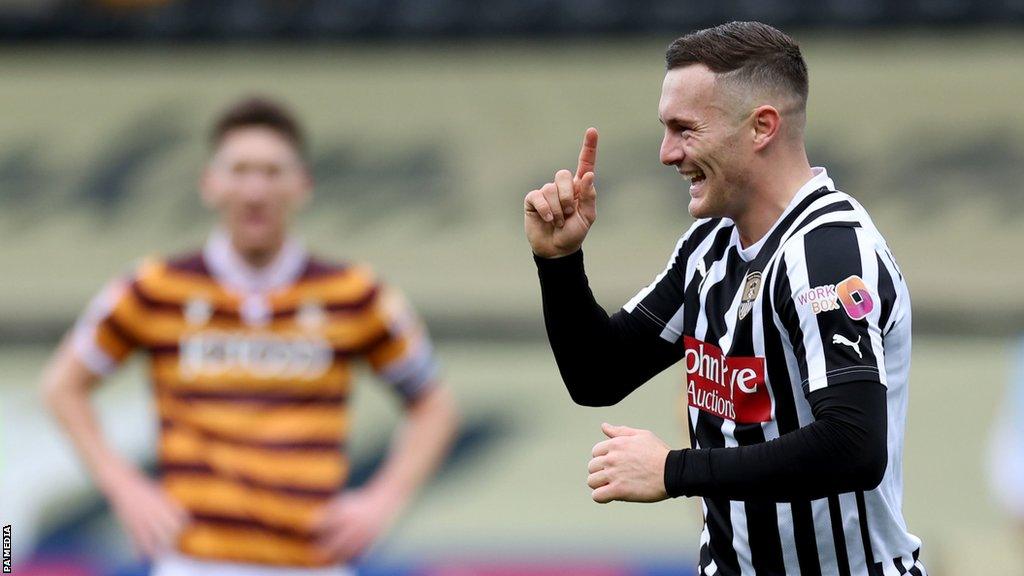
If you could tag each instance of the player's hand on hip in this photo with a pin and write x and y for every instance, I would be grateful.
(560, 213)
(351, 522)
(628, 466)
(153, 520)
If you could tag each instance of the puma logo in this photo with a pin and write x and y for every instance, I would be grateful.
(840, 339)
(702, 269)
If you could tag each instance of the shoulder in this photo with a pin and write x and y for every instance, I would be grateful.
(841, 228)
(339, 281)
(184, 272)
(701, 229)
(191, 262)
(158, 267)
(318, 267)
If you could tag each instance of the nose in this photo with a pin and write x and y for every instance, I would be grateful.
(671, 153)
(256, 186)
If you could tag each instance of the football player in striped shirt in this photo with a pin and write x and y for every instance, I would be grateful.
(252, 344)
(786, 307)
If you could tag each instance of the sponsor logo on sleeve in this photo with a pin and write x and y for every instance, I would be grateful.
(852, 295)
(730, 387)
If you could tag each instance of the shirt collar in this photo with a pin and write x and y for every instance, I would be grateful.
(819, 178)
(230, 269)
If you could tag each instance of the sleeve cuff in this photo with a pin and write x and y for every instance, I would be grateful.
(570, 263)
(686, 471)
(90, 354)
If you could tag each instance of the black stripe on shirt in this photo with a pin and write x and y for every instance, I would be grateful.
(788, 420)
(874, 569)
(835, 513)
(886, 293)
(762, 517)
(691, 308)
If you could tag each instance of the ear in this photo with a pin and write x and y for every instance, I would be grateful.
(767, 123)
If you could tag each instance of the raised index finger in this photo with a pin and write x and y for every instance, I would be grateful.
(588, 153)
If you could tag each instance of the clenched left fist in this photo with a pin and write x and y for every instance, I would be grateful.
(628, 466)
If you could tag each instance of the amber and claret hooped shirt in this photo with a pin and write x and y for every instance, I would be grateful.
(252, 371)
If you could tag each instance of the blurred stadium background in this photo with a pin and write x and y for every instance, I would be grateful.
(429, 122)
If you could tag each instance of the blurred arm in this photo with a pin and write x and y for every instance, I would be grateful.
(353, 520)
(419, 445)
(152, 519)
(843, 450)
(602, 359)
(67, 386)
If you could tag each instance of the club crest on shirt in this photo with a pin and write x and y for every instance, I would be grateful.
(311, 316)
(198, 311)
(751, 286)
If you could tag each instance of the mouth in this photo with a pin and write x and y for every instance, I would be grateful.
(695, 176)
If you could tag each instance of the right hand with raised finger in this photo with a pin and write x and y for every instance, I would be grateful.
(560, 213)
(152, 519)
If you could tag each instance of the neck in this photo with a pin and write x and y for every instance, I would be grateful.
(769, 197)
(258, 257)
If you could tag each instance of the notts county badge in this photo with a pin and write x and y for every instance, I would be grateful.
(751, 286)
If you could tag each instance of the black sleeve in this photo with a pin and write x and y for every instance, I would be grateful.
(843, 450)
(602, 359)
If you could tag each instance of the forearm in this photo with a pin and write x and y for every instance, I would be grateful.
(843, 450)
(601, 359)
(66, 387)
(418, 447)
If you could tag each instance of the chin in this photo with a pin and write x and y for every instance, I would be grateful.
(253, 241)
(698, 208)
(707, 206)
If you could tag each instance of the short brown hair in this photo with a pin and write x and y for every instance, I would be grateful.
(753, 52)
(260, 111)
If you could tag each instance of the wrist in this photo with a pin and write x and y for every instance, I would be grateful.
(555, 254)
(688, 472)
(391, 499)
(112, 474)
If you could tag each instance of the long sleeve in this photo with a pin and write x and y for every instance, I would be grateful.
(843, 450)
(601, 359)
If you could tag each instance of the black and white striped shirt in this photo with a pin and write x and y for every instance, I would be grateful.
(818, 302)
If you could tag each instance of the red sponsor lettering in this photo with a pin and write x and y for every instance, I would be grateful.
(730, 387)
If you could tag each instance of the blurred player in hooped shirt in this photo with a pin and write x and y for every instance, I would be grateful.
(251, 342)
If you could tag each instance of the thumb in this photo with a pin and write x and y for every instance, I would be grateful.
(615, 431)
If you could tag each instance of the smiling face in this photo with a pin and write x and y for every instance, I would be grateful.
(255, 180)
(704, 129)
